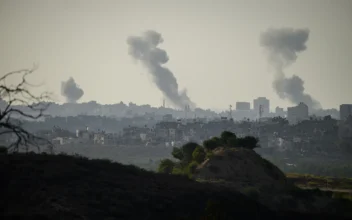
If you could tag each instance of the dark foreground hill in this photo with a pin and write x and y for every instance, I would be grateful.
(64, 187)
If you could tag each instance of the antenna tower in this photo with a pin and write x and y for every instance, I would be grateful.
(186, 110)
(260, 111)
(230, 112)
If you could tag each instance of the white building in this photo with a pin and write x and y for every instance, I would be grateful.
(297, 113)
(264, 102)
(58, 141)
(99, 138)
(345, 111)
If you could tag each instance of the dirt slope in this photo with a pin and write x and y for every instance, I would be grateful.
(243, 168)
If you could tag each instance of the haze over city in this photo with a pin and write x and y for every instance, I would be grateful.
(215, 50)
(188, 109)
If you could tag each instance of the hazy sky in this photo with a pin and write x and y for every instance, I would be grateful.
(213, 47)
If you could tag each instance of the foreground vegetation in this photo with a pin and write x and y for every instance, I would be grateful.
(40, 186)
(318, 166)
(332, 183)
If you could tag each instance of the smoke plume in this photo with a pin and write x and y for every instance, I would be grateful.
(283, 45)
(145, 49)
(71, 91)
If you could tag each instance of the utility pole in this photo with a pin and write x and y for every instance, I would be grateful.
(260, 111)
(230, 112)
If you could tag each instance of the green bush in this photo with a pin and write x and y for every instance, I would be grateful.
(199, 154)
(177, 153)
(248, 142)
(166, 166)
(187, 151)
(191, 168)
(212, 143)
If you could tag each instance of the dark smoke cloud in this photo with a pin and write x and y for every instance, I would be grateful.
(145, 49)
(71, 91)
(283, 45)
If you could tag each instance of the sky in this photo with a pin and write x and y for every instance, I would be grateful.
(213, 47)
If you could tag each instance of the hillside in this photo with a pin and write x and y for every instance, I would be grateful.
(63, 187)
(243, 168)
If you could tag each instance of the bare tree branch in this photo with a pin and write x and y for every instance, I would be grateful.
(21, 104)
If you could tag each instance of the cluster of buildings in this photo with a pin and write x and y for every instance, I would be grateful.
(59, 136)
(261, 109)
(345, 111)
(294, 114)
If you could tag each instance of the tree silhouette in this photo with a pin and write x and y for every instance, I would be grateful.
(248, 142)
(18, 103)
(212, 143)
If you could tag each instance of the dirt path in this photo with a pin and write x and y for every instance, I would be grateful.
(329, 189)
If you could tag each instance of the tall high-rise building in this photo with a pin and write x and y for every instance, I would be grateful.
(345, 111)
(264, 102)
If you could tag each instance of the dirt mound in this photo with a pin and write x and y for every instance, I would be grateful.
(243, 168)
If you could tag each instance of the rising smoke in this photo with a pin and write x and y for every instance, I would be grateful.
(145, 49)
(283, 45)
(71, 91)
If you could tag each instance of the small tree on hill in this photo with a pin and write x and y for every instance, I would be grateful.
(184, 154)
(212, 143)
(177, 153)
(187, 151)
(228, 139)
(225, 135)
(17, 103)
(166, 166)
(248, 142)
(199, 154)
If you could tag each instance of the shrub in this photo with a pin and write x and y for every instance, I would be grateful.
(166, 166)
(177, 153)
(212, 143)
(225, 135)
(229, 139)
(199, 154)
(248, 142)
(187, 151)
(191, 168)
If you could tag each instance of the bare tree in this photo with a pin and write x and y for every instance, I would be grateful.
(20, 104)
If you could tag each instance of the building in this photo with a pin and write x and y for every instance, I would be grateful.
(297, 113)
(345, 111)
(279, 112)
(99, 138)
(168, 117)
(264, 102)
(243, 106)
